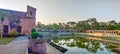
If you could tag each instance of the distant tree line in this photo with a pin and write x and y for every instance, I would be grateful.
(89, 24)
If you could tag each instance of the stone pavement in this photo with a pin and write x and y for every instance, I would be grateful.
(18, 46)
(1, 46)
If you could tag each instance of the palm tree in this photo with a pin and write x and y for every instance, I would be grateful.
(2, 16)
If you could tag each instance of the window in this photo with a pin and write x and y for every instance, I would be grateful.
(5, 29)
(19, 29)
(30, 12)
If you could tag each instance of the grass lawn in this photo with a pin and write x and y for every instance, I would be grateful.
(4, 41)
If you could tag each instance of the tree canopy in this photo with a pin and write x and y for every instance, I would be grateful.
(3, 15)
(89, 24)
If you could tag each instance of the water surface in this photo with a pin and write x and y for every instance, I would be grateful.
(78, 45)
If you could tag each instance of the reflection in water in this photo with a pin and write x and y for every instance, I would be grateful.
(83, 46)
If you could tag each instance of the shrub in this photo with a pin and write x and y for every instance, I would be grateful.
(14, 33)
(34, 35)
(33, 30)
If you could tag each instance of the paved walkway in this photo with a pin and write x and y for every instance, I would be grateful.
(1, 46)
(18, 46)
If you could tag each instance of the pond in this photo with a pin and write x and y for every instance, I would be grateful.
(79, 45)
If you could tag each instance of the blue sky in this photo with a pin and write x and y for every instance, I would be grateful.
(54, 11)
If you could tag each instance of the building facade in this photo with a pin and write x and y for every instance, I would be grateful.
(19, 21)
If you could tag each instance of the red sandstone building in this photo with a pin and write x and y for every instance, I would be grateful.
(22, 22)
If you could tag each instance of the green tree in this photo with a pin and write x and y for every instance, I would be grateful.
(112, 25)
(55, 26)
(102, 25)
(82, 25)
(93, 23)
(60, 26)
(66, 26)
(72, 25)
(40, 26)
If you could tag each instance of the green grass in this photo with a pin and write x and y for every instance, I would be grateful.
(4, 41)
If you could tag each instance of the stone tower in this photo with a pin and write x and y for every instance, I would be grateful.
(31, 12)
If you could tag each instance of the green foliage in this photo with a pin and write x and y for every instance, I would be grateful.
(3, 15)
(33, 30)
(111, 46)
(55, 26)
(80, 26)
(34, 35)
(72, 25)
(56, 40)
(14, 33)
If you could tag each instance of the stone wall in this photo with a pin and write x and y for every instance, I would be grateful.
(27, 24)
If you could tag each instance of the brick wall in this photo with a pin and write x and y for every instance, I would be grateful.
(27, 24)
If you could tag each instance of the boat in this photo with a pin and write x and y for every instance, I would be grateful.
(61, 49)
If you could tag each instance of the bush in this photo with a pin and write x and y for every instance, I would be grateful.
(34, 35)
(33, 30)
(14, 33)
